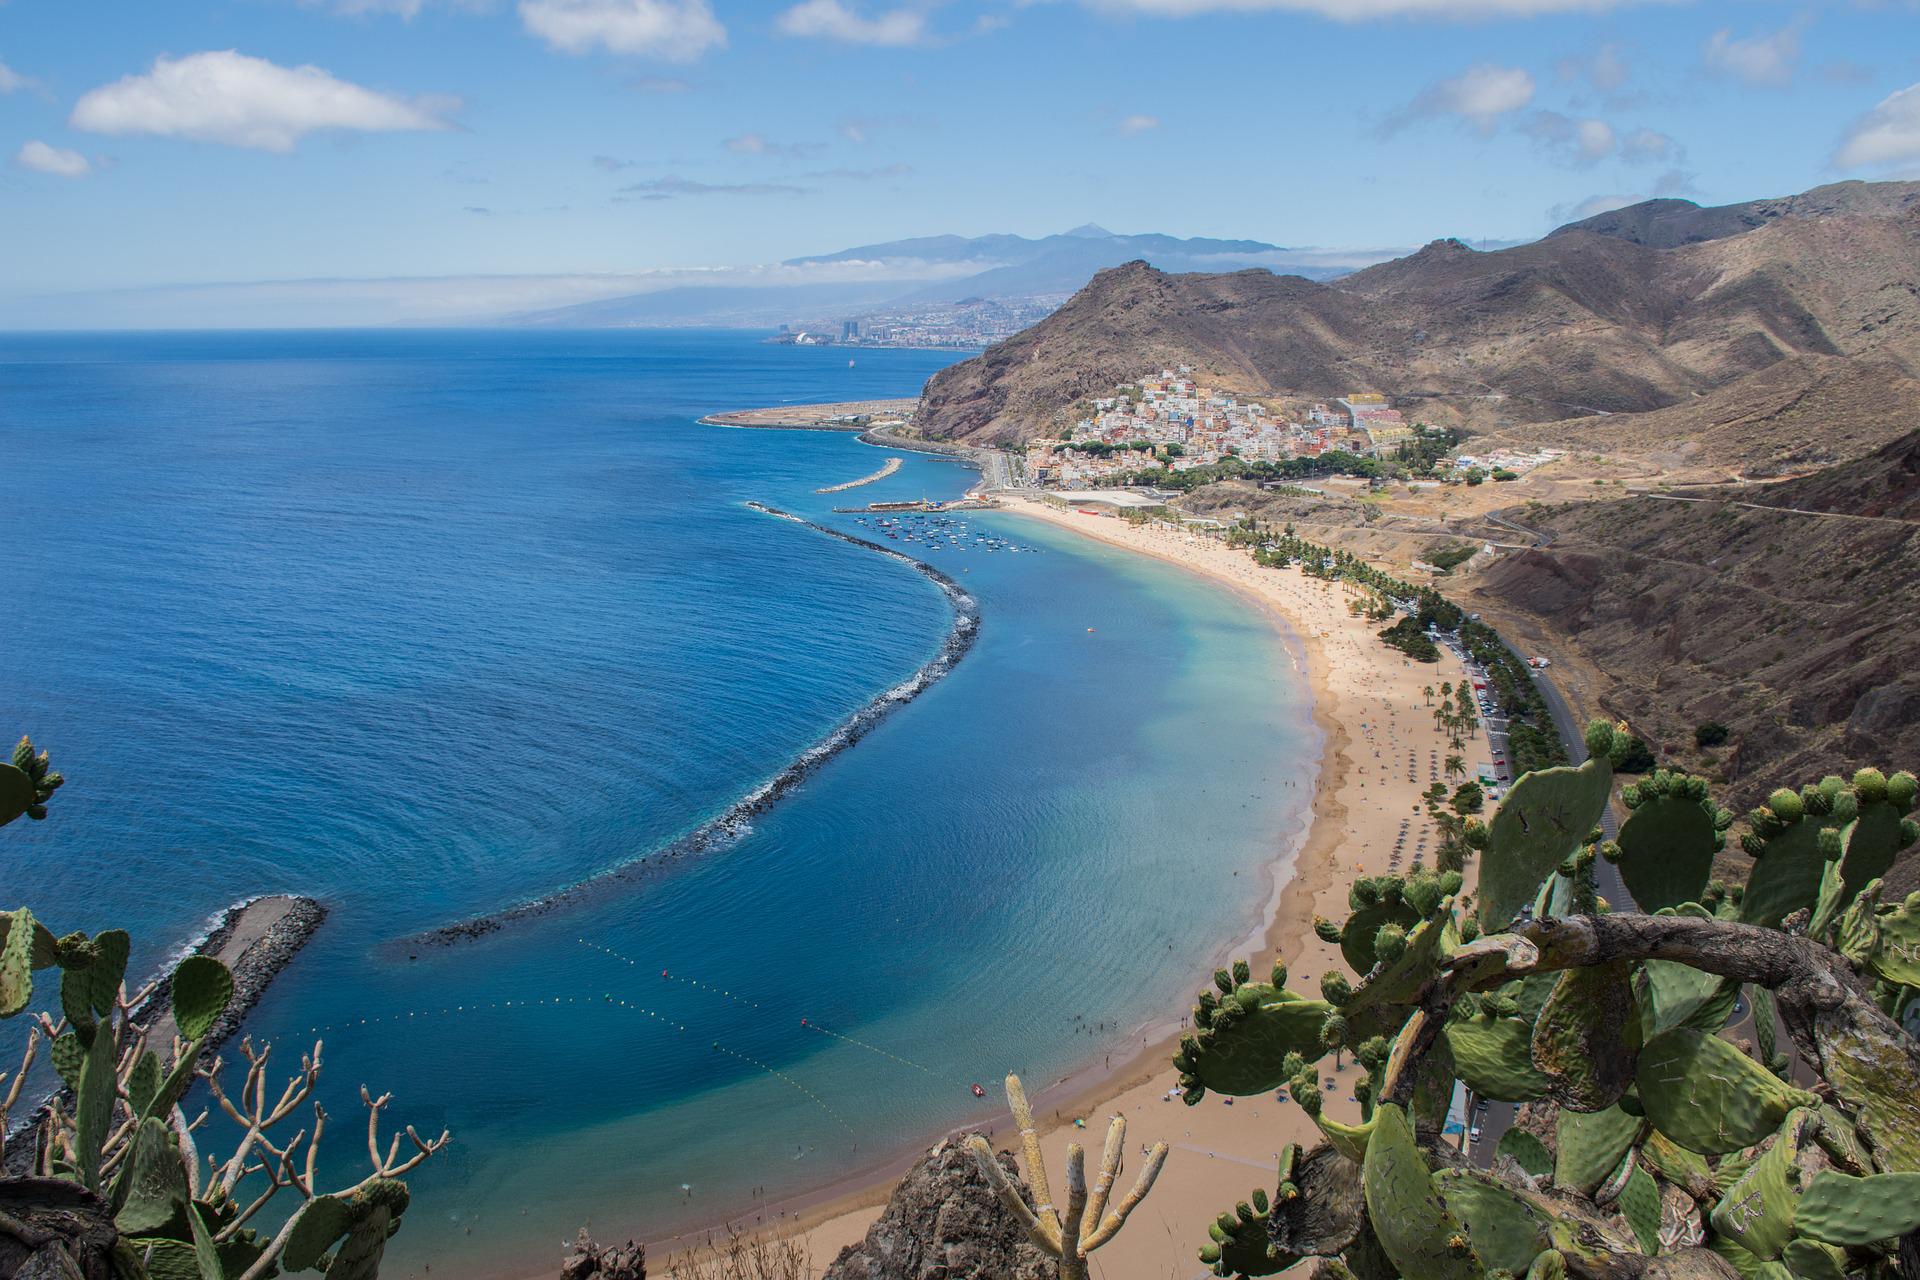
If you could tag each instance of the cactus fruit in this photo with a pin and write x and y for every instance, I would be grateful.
(1492, 1055)
(1244, 1034)
(1708, 1096)
(1666, 846)
(1241, 1242)
(1416, 1229)
(1845, 1210)
(1544, 818)
(1758, 1209)
(1589, 1146)
(1586, 1036)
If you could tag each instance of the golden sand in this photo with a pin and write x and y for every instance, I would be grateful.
(1382, 750)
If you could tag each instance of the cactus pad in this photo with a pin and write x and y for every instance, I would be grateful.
(1527, 1151)
(1585, 1037)
(1544, 818)
(1243, 1035)
(1758, 1209)
(1506, 1229)
(1589, 1146)
(1788, 865)
(1708, 1096)
(1416, 1229)
(1492, 1055)
(1240, 1243)
(1667, 843)
(1640, 1206)
(1845, 1210)
(202, 988)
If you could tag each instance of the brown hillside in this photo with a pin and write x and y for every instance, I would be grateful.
(1667, 224)
(1574, 325)
(1792, 629)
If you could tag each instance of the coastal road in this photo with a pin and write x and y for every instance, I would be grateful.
(1761, 506)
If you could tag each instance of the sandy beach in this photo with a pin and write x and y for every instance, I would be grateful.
(1381, 751)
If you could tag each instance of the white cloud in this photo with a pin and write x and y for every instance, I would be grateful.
(1593, 139)
(1480, 96)
(1366, 10)
(59, 161)
(1133, 125)
(1887, 135)
(227, 97)
(1766, 61)
(758, 144)
(672, 30)
(1605, 68)
(673, 187)
(1648, 146)
(12, 81)
(1581, 141)
(832, 20)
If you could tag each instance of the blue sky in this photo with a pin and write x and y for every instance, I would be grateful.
(448, 157)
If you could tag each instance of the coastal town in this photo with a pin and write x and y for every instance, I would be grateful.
(1173, 421)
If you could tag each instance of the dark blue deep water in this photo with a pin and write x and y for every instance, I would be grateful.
(429, 624)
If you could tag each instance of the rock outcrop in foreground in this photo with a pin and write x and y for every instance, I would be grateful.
(943, 1223)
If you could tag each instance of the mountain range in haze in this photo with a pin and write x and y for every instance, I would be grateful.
(936, 270)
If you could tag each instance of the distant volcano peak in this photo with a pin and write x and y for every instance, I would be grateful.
(1091, 231)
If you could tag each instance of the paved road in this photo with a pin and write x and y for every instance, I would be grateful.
(1762, 506)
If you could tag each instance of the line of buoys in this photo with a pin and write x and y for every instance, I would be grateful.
(811, 1025)
(414, 1015)
(808, 1023)
(774, 1071)
(669, 976)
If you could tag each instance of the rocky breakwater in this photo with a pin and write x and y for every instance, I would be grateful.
(737, 818)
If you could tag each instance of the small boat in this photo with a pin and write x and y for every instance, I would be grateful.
(978, 1092)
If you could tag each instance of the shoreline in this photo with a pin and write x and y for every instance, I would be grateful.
(732, 821)
(1348, 827)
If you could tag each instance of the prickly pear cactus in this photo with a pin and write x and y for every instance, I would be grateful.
(1708, 1096)
(1544, 819)
(26, 784)
(1244, 1032)
(1666, 846)
(1669, 1140)
(1789, 856)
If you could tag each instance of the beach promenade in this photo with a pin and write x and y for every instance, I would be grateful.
(1381, 750)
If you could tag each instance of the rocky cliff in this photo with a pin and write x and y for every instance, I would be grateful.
(943, 1223)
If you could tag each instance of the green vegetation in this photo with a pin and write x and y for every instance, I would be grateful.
(142, 1198)
(1420, 455)
(1407, 636)
(1710, 733)
(1661, 1146)
(1334, 462)
(1502, 475)
(1446, 556)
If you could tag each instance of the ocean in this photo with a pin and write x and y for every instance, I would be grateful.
(431, 624)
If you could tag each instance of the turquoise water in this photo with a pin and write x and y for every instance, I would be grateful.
(430, 624)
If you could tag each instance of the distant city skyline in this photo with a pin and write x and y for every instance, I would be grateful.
(377, 161)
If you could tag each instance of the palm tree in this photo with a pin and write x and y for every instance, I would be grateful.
(1427, 693)
(1446, 688)
(1455, 765)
